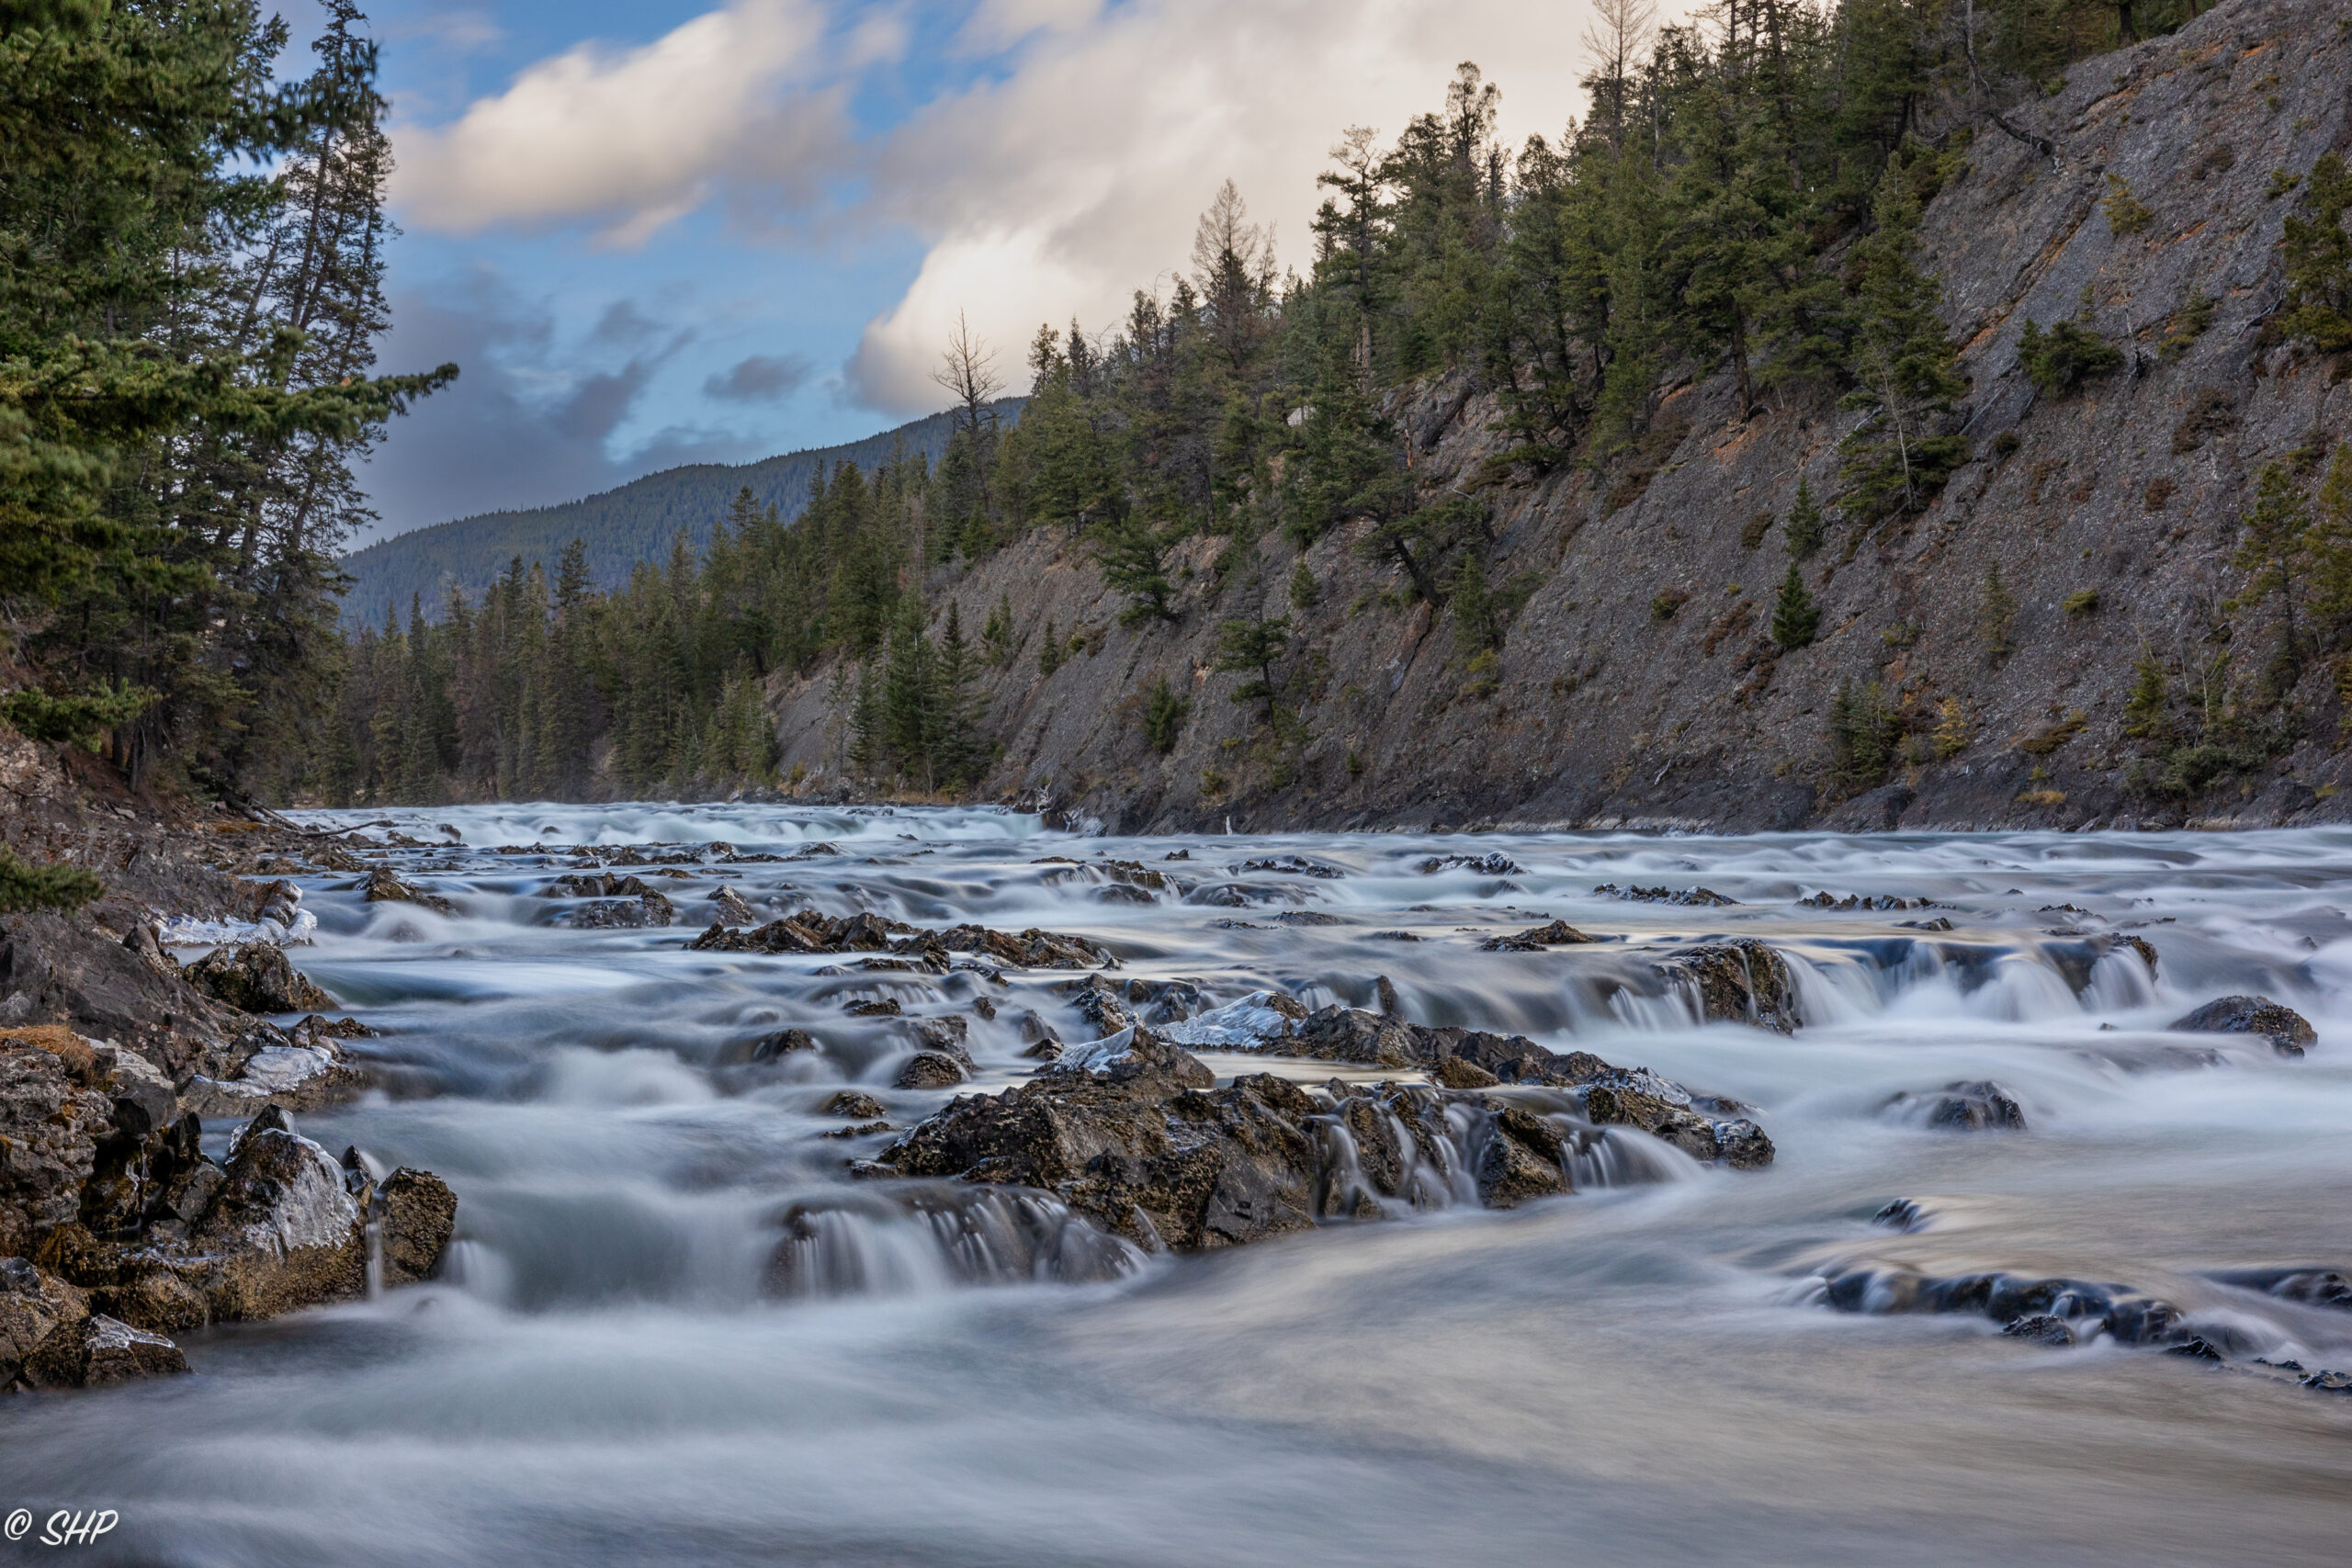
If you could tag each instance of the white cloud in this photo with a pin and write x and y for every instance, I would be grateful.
(629, 139)
(1076, 178)
(1068, 174)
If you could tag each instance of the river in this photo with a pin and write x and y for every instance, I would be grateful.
(1639, 1373)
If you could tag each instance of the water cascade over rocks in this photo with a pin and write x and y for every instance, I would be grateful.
(930, 1186)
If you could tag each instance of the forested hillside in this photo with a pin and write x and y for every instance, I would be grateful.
(1890, 406)
(618, 529)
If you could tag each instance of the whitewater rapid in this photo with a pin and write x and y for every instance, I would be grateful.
(1642, 1373)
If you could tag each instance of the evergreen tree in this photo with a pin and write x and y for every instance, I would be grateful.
(1796, 618)
(1908, 374)
(1253, 648)
(2274, 553)
(1803, 530)
(2317, 251)
(1133, 557)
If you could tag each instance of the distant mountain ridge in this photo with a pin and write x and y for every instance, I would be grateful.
(621, 527)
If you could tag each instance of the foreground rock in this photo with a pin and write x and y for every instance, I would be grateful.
(811, 931)
(2290, 1033)
(1739, 981)
(1132, 1134)
(117, 1230)
(257, 977)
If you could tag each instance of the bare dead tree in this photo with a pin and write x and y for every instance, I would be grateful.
(967, 370)
(1618, 36)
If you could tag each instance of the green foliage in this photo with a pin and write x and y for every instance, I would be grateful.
(26, 887)
(1865, 736)
(2082, 604)
(1134, 560)
(2317, 251)
(1796, 618)
(2274, 552)
(996, 634)
(1663, 605)
(78, 720)
(2065, 357)
(1907, 374)
(1305, 592)
(1253, 648)
(1164, 713)
(1050, 651)
(189, 308)
(2147, 714)
(2187, 325)
(1804, 530)
(2126, 214)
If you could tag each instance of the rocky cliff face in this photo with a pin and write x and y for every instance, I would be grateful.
(1637, 687)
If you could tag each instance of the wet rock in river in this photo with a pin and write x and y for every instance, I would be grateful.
(1292, 866)
(784, 1042)
(383, 886)
(2042, 1328)
(284, 1232)
(2312, 1287)
(1737, 1143)
(1495, 864)
(1704, 897)
(257, 977)
(1559, 934)
(810, 931)
(1100, 1003)
(416, 1213)
(856, 1105)
(1738, 981)
(303, 1070)
(100, 1351)
(2290, 1033)
(1453, 1072)
(931, 1069)
(647, 909)
(1307, 917)
(728, 907)
(887, 1006)
(1972, 1107)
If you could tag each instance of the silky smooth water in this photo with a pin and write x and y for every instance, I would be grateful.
(1638, 1374)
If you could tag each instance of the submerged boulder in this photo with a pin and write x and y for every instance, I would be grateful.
(1972, 1107)
(2290, 1033)
(811, 931)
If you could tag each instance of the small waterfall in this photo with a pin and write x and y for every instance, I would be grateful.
(936, 1239)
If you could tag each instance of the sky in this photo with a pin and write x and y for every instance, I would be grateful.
(674, 232)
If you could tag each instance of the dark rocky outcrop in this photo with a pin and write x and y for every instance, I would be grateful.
(727, 908)
(384, 885)
(1491, 864)
(257, 977)
(1972, 1107)
(1134, 1133)
(2290, 1033)
(2312, 1287)
(1738, 981)
(1697, 897)
(1559, 934)
(811, 931)
(855, 1105)
(931, 1069)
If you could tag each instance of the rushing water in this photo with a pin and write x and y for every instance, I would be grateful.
(1639, 1373)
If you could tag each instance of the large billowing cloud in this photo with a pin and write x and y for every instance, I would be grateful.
(631, 139)
(1061, 172)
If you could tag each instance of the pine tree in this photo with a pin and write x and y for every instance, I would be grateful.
(1803, 530)
(1796, 618)
(2147, 714)
(996, 634)
(1049, 650)
(2274, 553)
(1908, 374)
(1133, 557)
(1253, 648)
(2317, 249)
(959, 753)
